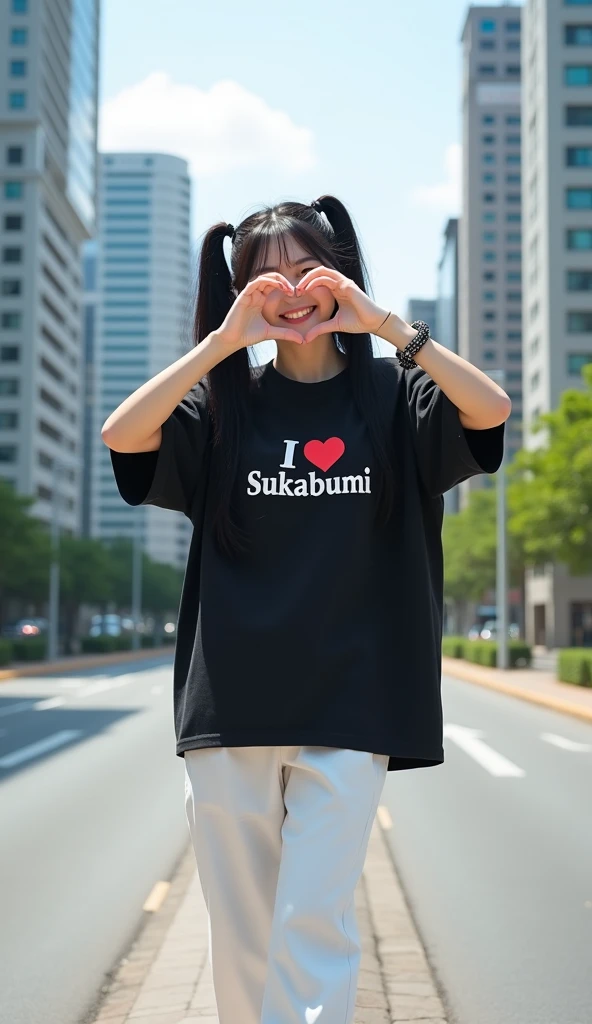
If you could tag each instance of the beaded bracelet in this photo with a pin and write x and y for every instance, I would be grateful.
(405, 356)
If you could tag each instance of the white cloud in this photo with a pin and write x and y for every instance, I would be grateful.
(445, 196)
(220, 129)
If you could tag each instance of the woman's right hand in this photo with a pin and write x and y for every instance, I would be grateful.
(245, 324)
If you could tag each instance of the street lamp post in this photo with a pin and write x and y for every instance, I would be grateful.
(501, 575)
(54, 569)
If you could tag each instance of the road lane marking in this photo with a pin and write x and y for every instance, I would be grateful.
(41, 747)
(13, 708)
(156, 689)
(470, 741)
(108, 684)
(50, 702)
(156, 897)
(564, 743)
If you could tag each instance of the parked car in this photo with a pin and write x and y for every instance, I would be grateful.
(489, 630)
(110, 625)
(30, 626)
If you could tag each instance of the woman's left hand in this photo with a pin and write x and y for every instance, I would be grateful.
(357, 313)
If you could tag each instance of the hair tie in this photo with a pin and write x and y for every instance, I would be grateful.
(316, 206)
(230, 231)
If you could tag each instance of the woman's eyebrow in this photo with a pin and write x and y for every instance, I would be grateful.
(305, 259)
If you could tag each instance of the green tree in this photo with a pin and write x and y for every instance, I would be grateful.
(86, 577)
(551, 490)
(24, 551)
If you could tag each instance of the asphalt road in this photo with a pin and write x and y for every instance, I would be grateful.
(494, 847)
(92, 815)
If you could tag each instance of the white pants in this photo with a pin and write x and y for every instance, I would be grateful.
(280, 837)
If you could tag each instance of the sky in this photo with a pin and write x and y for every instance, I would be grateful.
(271, 100)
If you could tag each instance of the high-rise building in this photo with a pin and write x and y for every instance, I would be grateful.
(141, 321)
(423, 309)
(557, 286)
(48, 127)
(490, 229)
(447, 316)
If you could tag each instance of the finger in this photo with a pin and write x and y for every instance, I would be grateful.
(319, 272)
(273, 275)
(325, 328)
(317, 282)
(267, 282)
(285, 334)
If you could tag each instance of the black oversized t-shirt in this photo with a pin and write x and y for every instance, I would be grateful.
(328, 631)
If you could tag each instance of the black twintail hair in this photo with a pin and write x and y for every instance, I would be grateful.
(326, 231)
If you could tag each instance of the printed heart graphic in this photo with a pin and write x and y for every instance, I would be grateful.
(324, 453)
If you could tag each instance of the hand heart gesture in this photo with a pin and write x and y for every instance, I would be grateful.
(357, 313)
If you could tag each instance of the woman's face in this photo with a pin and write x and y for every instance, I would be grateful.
(316, 305)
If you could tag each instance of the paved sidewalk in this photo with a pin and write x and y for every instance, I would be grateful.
(526, 683)
(166, 976)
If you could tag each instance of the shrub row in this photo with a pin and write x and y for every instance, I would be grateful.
(484, 652)
(22, 649)
(574, 665)
(34, 648)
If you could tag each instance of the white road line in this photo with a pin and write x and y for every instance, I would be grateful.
(565, 744)
(470, 741)
(108, 684)
(12, 709)
(156, 689)
(41, 747)
(50, 702)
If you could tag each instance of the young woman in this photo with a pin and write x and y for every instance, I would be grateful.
(308, 655)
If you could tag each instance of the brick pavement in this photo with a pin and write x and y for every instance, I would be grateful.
(166, 976)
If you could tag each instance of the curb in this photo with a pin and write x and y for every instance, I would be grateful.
(456, 668)
(44, 668)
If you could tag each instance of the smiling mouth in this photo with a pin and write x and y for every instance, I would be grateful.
(296, 315)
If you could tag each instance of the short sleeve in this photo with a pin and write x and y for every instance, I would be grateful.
(446, 452)
(171, 476)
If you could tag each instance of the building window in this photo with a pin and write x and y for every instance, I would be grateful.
(487, 140)
(489, 256)
(577, 74)
(10, 286)
(13, 222)
(489, 158)
(487, 25)
(13, 190)
(488, 119)
(513, 140)
(9, 385)
(12, 255)
(576, 362)
(490, 315)
(514, 237)
(489, 178)
(514, 375)
(512, 69)
(514, 357)
(19, 36)
(579, 116)
(513, 218)
(578, 35)
(17, 100)
(513, 119)
(489, 296)
(579, 280)
(513, 197)
(20, 6)
(513, 256)
(486, 44)
(14, 155)
(512, 44)
(514, 316)
(7, 453)
(9, 354)
(578, 156)
(8, 420)
(513, 179)
(513, 158)
(489, 335)
(487, 69)
(514, 336)
(580, 322)
(514, 275)
(489, 197)
(579, 198)
(18, 68)
(579, 238)
(489, 275)
(489, 218)
(513, 296)
(490, 355)
(512, 26)
(11, 321)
